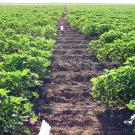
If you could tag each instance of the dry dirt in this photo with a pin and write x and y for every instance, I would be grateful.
(69, 107)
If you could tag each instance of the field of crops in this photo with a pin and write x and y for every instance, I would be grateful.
(115, 28)
(27, 39)
(35, 53)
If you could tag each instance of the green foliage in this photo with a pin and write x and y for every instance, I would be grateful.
(116, 37)
(27, 39)
(130, 61)
(17, 61)
(116, 87)
(115, 29)
(19, 82)
(114, 46)
(131, 105)
(14, 111)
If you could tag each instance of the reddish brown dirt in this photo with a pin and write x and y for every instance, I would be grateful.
(70, 109)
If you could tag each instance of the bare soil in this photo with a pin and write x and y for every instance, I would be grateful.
(69, 107)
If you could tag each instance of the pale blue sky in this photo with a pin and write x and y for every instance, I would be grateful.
(67, 1)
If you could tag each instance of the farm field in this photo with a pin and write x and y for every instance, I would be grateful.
(27, 39)
(80, 80)
(114, 27)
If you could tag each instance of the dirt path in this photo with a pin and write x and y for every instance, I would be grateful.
(70, 109)
(68, 91)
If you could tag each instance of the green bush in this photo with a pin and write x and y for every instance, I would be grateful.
(19, 82)
(14, 112)
(116, 87)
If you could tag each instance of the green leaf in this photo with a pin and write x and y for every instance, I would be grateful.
(131, 105)
(28, 106)
(4, 92)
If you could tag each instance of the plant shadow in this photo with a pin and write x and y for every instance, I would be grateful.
(112, 122)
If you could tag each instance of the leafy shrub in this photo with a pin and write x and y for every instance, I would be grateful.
(17, 61)
(13, 113)
(19, 82)
(115, 87)
(27, 39)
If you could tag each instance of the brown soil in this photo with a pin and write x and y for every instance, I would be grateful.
(70, 109)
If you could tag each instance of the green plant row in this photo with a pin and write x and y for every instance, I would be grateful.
(115, 28)
(112, 24)
(27, 39)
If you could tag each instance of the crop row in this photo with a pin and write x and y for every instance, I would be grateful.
(115, 29)
(27, 39)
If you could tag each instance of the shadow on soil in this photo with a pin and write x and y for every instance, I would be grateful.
(112, 122)
(38, 107)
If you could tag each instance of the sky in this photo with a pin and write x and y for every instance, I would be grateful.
(67, 1)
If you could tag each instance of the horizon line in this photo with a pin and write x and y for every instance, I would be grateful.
(66, 3)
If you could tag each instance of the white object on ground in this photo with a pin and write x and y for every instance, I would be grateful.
(45, 128)
(61, 28)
